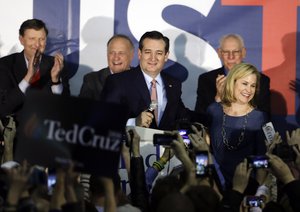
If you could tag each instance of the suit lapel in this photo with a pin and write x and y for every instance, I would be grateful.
(170, 97)
(100, 79)
(103, 75)
(169, 88)
(141, 85)
(19, 66)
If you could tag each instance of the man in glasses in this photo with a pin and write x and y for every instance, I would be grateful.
(231, 51)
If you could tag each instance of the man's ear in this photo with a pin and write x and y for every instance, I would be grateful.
(167, 56)
(219, 52)
(139, 54)
(244, 52)
(21, 39)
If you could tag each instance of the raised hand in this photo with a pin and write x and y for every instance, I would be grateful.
(57, 67)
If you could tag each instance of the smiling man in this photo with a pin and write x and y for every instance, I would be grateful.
(231, 51)
(120, 52)
(144, 84)
(20, 72)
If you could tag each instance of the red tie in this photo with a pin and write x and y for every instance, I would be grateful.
(35, 78)
(154, 98)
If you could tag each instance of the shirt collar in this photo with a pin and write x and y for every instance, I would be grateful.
(149, 79)
(26, 61)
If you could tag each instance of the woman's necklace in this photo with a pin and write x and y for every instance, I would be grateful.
(241, 137)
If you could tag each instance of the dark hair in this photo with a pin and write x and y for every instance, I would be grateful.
(96, 185)
(205, 198)
(32, 24)
(121, 36)
(175, 202)
(155, 35)
(163, 186)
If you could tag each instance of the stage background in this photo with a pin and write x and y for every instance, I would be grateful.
(80, 30)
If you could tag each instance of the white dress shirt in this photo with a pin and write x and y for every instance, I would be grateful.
(161, 97)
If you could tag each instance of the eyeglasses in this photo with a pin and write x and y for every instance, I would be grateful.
(234, 53)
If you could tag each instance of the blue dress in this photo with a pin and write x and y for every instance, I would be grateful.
(230, 147)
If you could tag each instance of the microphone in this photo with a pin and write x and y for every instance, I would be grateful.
(153, 105)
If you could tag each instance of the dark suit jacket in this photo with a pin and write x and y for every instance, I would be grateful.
(206, 91)
(93, 84)
(129, 88)
(12, 70)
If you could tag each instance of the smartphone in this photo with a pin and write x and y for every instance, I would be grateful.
(258, 161)
(184, 134)
(269, 131)
(163, 139)
(51, 182)
(253, 201)
(201, 163)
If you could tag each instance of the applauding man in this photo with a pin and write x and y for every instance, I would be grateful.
(30, 69)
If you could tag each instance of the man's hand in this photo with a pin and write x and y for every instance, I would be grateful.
(297, 152)
(58, 197)
(280, 169)
(276, 140)
(241, 177)
(30, 70)
(18, 182)
(57, 67)
(135, 143)
(144, 119)
(189, 167)
(198, 140)
(220, 87)
(167, 154)
(294, 137)
(179, 148)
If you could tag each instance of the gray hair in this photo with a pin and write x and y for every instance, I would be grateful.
(234, 36)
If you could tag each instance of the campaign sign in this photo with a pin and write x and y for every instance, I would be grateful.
(55, 130)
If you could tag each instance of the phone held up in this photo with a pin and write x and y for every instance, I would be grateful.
(269, 131)
(258, 161)
(253, 201)
(163, 139)
(51, 181)
(166, 139)
(282, 150)
(201, 163)
(185, 137)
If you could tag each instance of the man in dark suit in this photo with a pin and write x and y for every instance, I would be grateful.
(210, 85)
(132, 88)
(120, 52)
(20, 72)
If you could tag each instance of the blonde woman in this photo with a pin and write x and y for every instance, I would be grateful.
(235, 123)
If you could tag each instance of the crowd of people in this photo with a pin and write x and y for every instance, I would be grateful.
(228, 165)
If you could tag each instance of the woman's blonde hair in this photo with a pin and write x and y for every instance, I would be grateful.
(237, 72)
